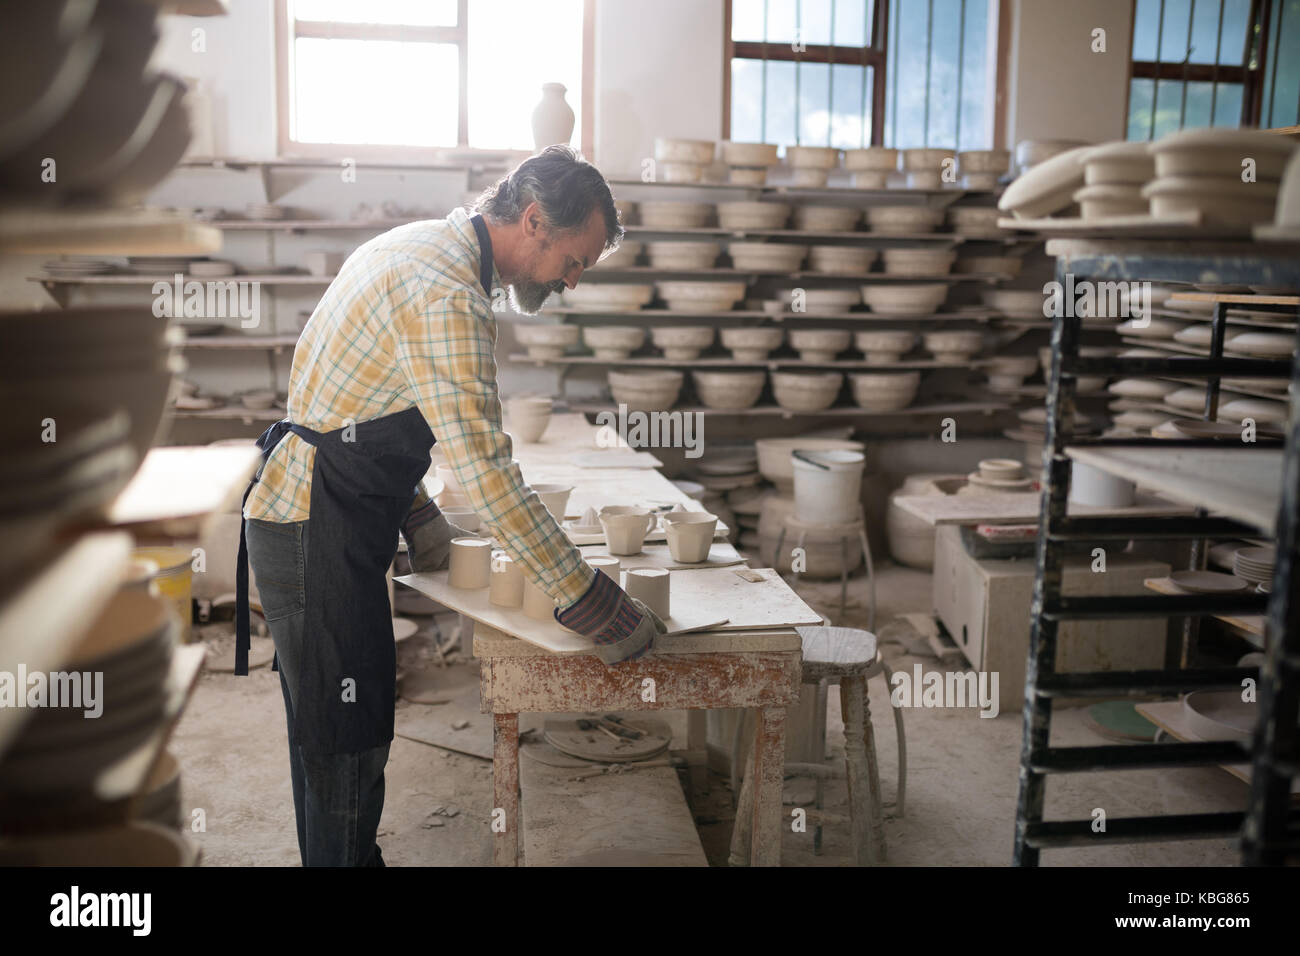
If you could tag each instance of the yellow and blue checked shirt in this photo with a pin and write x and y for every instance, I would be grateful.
(406, 323)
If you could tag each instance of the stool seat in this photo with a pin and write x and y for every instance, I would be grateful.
(837, 652)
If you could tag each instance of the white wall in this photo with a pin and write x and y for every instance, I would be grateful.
(1057, 87)
(658, 73)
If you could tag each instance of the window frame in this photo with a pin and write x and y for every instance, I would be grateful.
(288, 29)
(875, 56)
(1252, 81)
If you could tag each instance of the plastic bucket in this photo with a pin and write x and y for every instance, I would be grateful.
(174, 578)
(827, 485)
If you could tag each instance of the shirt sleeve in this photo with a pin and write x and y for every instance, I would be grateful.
(444, 350)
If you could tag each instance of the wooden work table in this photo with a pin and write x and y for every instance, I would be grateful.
(749, 668)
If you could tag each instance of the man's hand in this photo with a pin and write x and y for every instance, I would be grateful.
(428, 536)
(623, 628)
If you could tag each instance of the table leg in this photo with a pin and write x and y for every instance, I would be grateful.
(768, 774)
(697, 746)
(505, 789)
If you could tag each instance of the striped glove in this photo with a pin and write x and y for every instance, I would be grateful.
(622, 627)
(428, 536)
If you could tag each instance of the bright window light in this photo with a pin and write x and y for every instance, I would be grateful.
(423, 13)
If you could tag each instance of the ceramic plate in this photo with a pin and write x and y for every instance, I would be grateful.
(1208, 582)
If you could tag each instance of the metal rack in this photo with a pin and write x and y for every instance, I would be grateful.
(1268, 826)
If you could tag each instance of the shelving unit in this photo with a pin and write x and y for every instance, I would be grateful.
(1238, 492)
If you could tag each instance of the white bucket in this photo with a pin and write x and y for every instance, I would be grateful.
(829, 495)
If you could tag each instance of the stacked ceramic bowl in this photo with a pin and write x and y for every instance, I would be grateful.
(905, 298)
(884, 347)
(729, 391)
(609, 296)
(882, 392)
(806, 391)
(819, 345)
(998, 476)
(682, 256)
(819, 301)
(810, 166)
(1255, 564)
(982, 168)
(613, 343)
(698, 296)
(661, 214)
(682, 160)
(77, 87)
(1034, 152)
(918, 262)
(1200, 173)
(752, 345)
(748, 163)
(1048, 187)
(646, 391)
(59, 750)
(543, 342)
(871, 167)
(625, 256)
(953, 347)
(841, 260)
(975, 222)
(682, 343)
(925, 168)
(826, 218)
(767, 256)
(1008, 372)
(1016, 303)
(903, 220)
(747, 214)
(1113, 176)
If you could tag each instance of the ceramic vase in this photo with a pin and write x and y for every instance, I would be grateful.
(552, 118)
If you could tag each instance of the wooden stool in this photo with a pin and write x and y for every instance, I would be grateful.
(849, 656)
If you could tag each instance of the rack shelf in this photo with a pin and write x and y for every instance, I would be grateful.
(838, 411)
(231, 412)
(875, 319)
(264, 279)
(725, 361)
(224, 342)
(104, 231)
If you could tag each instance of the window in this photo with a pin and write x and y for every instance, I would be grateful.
(851, 73)
(414, 76)
(1213, 63)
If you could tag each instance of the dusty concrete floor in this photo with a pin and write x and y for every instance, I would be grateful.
(961, 786)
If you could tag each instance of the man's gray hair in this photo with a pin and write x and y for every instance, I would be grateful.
(564, 185)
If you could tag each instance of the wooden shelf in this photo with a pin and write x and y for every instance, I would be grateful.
(839, 411)
(42, 623)
(1252, 624)
(948, 238)
(177, 487)
(190, 8)
(1242, 483)
(112, 232)
(308, 225)
(1188, 226)
(874, 318)
(730, 272)
(227, 342)
(140, 279)
(229, 413)
(725, 361)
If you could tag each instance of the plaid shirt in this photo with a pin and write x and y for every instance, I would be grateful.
(406, 323)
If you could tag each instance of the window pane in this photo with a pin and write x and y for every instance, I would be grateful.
(907, 58)
(747, 101)
(747, 20)
(1173, 35)
(1205, 31)
(853, 22)
(1232, 41)
(945, 47)
(851, 112)
(781, 21)
(375, 91)
(1140, 93)
(1169, 100)
(1227, 105)
(1282, 88)
(1198, 105)
(814, 104)
(976, 99)
(424, 13)
(1145, 26)
(779, 127)
(815, 25)
(501, 100)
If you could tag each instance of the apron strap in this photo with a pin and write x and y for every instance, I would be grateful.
(485, 257)
(243, 626)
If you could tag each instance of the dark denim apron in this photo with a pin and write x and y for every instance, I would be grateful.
(363, 483)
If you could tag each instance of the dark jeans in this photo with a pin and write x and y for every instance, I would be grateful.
(337, 798)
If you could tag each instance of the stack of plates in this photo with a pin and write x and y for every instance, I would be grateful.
(1255, 564)
(160, 265)
(60, 749)
(76, 266)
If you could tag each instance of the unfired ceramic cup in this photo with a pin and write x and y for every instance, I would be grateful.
(607, 564)
(464, 518)
(537, 603)
(650, 585)
(625, 528)
(690, 535)
(555, 498)
(507, 581)
(471, 560)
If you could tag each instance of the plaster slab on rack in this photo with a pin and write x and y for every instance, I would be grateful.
(1170, 717)
(1190, 225)
(1241, 483)
(1019, 508)
(1249, 624)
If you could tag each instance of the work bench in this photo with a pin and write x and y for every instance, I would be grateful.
(756, 668)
